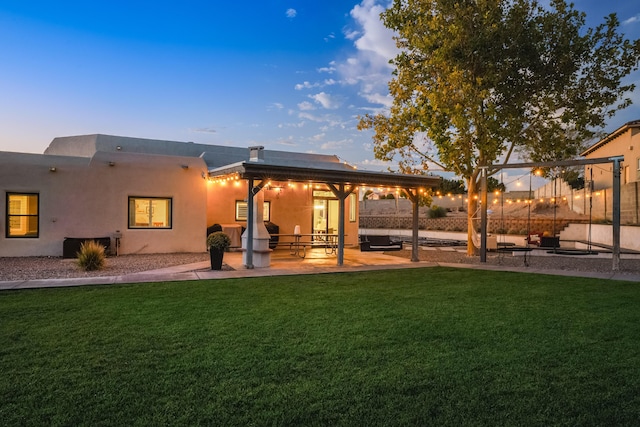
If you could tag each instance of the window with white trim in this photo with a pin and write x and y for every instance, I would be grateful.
(242, 209)
(353, 203)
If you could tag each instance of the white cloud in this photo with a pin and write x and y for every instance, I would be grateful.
(378, 98)
(376, 38)
(306, 106)
(351, 34)
(275, 106)
(331, 121)
(298, 125)
(291, 13)
(633, 20)
(318, 137)
(327, 101)
(203, 130)
(309, 85)
(305, 85)
(378, 164)
(331, 69)
(368, 68)
(311, 117)
(336, 145)
(288, 141)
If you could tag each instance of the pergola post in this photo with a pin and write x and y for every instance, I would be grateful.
(251, 212)
(616, 214)
(415, 203)
(341, 193)
(483, 214)
(249, 248)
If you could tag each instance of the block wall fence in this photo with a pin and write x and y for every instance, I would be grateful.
(396, 214)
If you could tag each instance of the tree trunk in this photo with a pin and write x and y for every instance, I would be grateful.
(472, 207)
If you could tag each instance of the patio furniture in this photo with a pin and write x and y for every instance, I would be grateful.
(379, 243)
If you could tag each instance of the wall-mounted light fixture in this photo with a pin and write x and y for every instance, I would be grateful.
(276, 188)
(112, 163)
(185, 167)
(52, 169)
(118, 147)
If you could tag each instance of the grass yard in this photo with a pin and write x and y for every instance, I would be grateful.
(432, 346)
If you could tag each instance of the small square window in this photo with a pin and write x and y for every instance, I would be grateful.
(242, 209)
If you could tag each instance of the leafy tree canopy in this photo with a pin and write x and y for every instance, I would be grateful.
(452, 186)
(495, 185)
(479, 80)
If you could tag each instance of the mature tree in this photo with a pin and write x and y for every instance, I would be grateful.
(495, 185)
(452, 186)
(477, 80)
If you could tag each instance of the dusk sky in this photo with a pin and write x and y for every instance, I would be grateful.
(291, 75)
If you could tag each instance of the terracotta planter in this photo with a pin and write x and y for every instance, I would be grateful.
(216, 258)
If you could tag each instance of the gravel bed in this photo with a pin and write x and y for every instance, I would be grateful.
(30, 268)
(536, 262)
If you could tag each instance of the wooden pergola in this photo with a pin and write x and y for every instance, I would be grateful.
(340, 178)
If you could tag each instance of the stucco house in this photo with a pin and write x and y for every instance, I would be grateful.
(624, 141)
(155, 196)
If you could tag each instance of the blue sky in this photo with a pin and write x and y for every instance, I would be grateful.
(291, 75)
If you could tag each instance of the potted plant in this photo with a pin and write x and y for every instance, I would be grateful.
(217, 243)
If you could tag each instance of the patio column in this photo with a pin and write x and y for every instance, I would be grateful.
(248, 243)
(341, 193)
(255, 240)
(616, 213)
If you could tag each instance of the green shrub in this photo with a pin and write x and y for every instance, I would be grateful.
(91, 256)
(218, 240)
(437, 212)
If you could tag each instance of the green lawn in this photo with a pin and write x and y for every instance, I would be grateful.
(431, 346)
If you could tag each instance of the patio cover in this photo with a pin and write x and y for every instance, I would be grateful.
(340, 177)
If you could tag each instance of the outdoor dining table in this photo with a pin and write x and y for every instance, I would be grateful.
(298, 246)
(234, 231)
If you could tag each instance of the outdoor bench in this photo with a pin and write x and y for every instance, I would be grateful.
(379, 243)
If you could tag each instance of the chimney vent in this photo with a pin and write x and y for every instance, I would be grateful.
(256, 153)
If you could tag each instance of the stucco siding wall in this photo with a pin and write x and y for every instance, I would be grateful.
(292, 206)
(627, 145)
(90, 199)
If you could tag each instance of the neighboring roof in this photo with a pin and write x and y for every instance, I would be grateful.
(213, 155)
(224, 160)
(613, 135)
